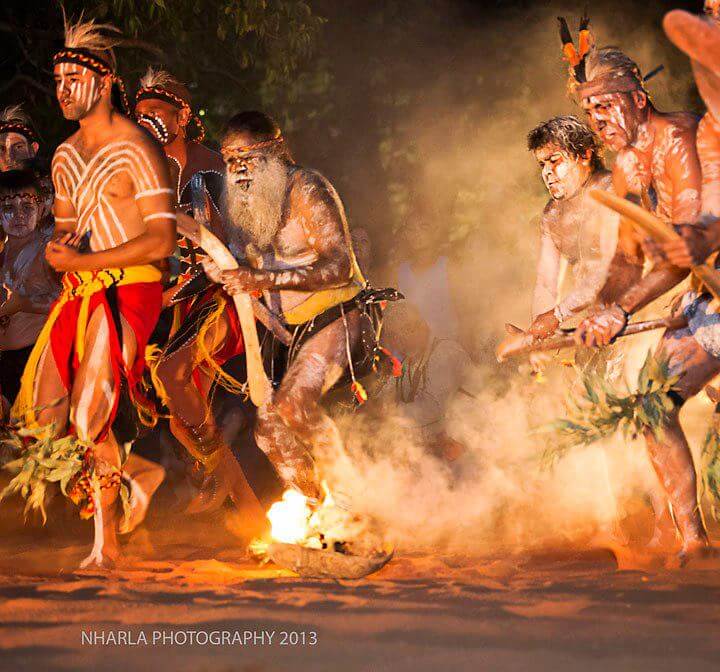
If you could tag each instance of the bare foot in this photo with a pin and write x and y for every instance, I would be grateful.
(106, 549)
(104, 555)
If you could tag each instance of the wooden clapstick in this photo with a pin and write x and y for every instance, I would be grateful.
(258, 382)
(656, 229)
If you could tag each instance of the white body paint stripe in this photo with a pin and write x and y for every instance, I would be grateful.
(159, 215)
(153, 192)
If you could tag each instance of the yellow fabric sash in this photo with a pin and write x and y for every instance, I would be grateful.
(83, 285)
(325, 299)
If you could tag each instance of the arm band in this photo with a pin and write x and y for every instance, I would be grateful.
(159, 215)
(153, 192)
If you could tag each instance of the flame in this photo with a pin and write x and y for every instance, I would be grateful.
(289, 518)
(296, 519)
(322, 525)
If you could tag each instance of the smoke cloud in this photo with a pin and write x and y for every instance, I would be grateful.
(474, 181)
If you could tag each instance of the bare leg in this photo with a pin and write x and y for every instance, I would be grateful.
(294, 430)
(194, 427)
(669, 452)
(49, 394)
(144, 478)
(90, 407)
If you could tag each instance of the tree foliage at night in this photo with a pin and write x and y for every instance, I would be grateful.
(231, 52)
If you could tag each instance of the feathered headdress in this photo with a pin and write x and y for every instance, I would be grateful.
(596, 71)
(14, 120)
(91, 45)
(161, 85)
(576, 57)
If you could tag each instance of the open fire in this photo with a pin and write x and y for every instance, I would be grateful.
(299, 520)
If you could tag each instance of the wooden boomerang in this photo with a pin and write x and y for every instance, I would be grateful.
(519, 343)
(656, 229)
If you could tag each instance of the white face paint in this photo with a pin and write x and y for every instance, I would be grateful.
(614, 117)
(20, 214)
(77, 89)
(562, 173)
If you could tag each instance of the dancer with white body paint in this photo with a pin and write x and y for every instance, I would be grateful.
(112, 188)
(657, 163)
(288, 227)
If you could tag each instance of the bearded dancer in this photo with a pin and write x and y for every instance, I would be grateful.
(206, 330)
(111, 186)
(299, 254)
(657, 163)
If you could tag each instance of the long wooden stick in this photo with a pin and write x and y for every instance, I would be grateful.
(658, 230)
(258, 383)
(521, 343)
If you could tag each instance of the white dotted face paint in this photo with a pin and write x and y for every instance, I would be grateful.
(77, 89)
(160, 118)
(562, 173)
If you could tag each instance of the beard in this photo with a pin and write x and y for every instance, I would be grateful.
(253, 212)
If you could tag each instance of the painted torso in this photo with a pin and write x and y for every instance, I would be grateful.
(643, 165)
(103, 185)
(573, 223)
(708, 146)
(312, 209)
(587, 235)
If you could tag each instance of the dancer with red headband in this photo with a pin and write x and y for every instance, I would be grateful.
(206, 331)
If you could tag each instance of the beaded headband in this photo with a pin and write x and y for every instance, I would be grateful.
(89, 60)
(18, 127)
(83, 57)
(24, 195)
(227, 151)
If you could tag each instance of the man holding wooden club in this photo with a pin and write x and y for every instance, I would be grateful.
(294, 246)
(657, 164)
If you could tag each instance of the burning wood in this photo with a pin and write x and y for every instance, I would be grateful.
(321, 540)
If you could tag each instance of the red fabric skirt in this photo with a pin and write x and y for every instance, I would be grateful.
(139, 304)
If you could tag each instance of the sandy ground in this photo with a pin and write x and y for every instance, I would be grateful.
(558, 611)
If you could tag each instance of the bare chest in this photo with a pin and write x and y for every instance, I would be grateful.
(293, 245)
